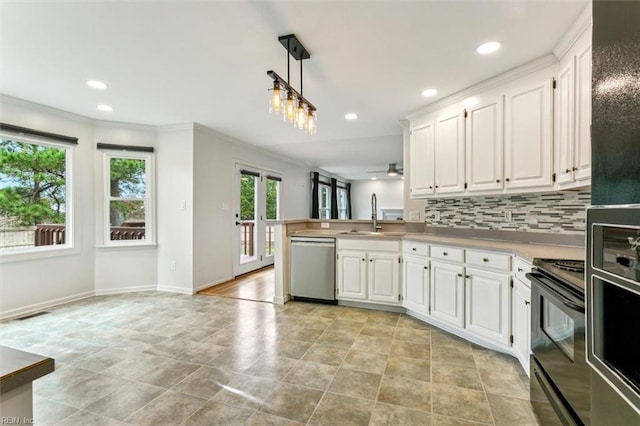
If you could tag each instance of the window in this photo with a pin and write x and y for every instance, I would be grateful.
(35, 193)
(342, 203)
(129, 198)
(325, 201)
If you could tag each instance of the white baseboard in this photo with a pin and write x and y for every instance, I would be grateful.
(279, 300)
(171, 289)
(120, 290)
(38, 307)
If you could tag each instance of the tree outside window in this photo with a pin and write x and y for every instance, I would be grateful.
(33, 194)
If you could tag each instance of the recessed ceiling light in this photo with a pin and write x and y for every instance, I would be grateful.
(429, 92)
(105, 108)
(488, 47)
(95, 84)
(351, 116)
(469, 102)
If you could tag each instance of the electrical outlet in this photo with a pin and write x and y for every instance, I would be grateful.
(324, 224)
(172, 265)
(507, 216)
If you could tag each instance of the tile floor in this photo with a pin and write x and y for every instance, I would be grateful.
(155, 358)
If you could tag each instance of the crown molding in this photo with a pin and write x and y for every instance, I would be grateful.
(6, 99)
(579, 26)
(491, 83)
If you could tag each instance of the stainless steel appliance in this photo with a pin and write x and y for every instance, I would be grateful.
(613, 314)
(313, 273)
(560, 380)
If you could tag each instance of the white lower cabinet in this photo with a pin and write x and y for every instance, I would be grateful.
(447, 293)
(487, 304)
(352, 275)
(368, 270)
(416, 283)
(384, 277)
(521, 321)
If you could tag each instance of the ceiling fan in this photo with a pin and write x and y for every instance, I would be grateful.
(393, 170)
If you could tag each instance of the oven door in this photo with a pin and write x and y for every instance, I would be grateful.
(558, 342)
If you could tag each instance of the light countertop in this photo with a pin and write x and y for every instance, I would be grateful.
(18, 368)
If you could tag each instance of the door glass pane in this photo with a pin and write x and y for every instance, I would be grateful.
(558, 326)
(248, 241)
(272, 206)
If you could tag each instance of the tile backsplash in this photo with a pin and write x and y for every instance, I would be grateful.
(560, 212)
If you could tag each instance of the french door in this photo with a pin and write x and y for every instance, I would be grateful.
(257, 206)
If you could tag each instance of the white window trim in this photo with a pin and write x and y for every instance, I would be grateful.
(68, 248)
(150, 199)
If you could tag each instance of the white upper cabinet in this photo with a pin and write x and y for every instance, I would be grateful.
(565, 107)
(449, 144)
(573, 115)
(582, 151)
(529, 135)
(484, 146)
(422, 161)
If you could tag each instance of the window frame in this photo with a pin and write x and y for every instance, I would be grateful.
(149, 198)
(26, 253)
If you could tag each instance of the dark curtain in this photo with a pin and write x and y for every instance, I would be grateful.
(315, 187)
(349, 201)
(334, 198)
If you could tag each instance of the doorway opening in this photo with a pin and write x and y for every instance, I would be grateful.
(257, 285)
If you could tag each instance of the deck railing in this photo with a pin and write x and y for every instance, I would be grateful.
(53, 234)
(247, 238)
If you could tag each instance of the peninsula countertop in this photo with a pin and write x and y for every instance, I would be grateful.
(18, 368)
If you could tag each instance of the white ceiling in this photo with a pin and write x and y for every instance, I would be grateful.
(206, 62)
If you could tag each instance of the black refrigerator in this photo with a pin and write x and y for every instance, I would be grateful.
(615, 147)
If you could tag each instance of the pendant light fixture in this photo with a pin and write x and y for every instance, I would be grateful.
(285, 99)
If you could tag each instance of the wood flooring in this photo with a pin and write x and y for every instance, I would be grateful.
(258, 285)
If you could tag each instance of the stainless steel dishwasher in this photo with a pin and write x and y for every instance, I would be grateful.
(313, 269)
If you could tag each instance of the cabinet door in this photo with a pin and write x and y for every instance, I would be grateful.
(487, 304)
(447, 293)
(449, 143)
(352, 275)
(421, 160)
(384, 277)
(565, 121)
(416, 284)
(582, 151)
(484, 146)
(521, 321)
(528, 136)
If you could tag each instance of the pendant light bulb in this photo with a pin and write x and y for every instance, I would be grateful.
(311, 126)
(276, 97)
(290, 108)
(301, 115)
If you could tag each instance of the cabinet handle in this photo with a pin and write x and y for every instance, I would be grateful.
(467, 276)
(567, 171)
(575, 169)
(497, 180)
(413, 248)
(444, 253)
(485, 260)
(426, 267)
(460, 275)
(520, 269)
(370, 260)
(431, 187)
(363, 260)
(526, 302)
(436, 186)
(507, 180)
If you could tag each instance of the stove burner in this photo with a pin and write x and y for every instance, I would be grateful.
(570, 265)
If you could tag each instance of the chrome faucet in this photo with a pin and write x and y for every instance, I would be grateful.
(374, 212)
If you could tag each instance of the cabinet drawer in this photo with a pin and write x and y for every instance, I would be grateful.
(452, 254)
(418, 249)
(520, 268)
(484, 259)
(368, 245)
